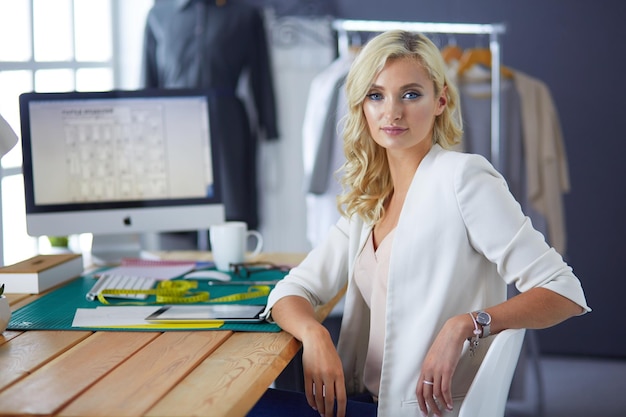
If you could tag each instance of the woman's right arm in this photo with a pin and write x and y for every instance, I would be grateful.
(291, 304)
(323, 373)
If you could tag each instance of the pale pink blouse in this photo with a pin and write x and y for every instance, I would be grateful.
(370, 275)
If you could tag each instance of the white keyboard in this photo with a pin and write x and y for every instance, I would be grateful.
(121, 282)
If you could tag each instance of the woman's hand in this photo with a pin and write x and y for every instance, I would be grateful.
(434, 385)
(323, 373)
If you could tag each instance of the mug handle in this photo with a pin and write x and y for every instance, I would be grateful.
(259, 242)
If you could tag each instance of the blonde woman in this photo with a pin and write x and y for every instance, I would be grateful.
(428, 241)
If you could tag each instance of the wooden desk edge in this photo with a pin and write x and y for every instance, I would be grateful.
(290, 348)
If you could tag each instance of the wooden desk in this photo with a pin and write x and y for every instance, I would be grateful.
(83, 373)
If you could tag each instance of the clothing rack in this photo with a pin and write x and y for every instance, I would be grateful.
(343, 27)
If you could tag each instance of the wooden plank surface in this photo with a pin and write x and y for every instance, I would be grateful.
(137, 384)
(19, 300)
(27, 351)
(232, 379)
(81, 373)
(62, 379)
(8, 335)
(15, 298)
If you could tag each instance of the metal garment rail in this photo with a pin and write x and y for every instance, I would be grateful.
(493, 30)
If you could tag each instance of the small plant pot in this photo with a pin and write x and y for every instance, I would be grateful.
(5, 313)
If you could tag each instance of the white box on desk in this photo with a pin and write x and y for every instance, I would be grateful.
(40, 273)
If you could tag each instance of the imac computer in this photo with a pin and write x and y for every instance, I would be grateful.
(120, 165)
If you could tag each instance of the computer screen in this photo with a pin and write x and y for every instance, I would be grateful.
(119, 162)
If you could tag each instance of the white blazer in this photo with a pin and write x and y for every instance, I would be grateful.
(461, 238)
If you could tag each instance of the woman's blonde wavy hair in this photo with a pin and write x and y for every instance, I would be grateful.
(365, 175)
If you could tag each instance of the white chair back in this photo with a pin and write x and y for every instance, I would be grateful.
(488, 393)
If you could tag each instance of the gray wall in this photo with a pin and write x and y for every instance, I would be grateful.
(577, 48)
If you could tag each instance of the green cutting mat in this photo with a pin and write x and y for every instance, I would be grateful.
(55, 310)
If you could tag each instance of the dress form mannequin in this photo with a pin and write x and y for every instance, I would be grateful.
(217, 45)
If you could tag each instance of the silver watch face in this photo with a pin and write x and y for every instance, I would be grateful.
(483, 318)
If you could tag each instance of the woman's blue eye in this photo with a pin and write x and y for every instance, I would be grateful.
(375, 96)
(411, 95)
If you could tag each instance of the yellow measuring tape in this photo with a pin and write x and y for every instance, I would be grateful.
(179, 292)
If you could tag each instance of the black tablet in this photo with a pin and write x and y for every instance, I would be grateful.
(231, 313)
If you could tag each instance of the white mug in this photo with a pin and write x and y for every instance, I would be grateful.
(229, 241)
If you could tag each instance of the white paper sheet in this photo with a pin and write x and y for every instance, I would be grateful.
(113, 316)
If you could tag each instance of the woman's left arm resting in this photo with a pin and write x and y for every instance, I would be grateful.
(537, 308)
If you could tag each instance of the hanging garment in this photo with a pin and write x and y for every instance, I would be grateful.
(546, 160)
(475, 91)
(322, 145)
(198, 44)
(320, 130)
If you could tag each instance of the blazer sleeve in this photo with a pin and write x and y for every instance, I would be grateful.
(321, 275)
(498, 229)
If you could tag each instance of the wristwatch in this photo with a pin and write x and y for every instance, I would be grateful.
(484, 319)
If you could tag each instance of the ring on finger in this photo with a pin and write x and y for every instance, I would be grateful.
(429, 382)
(323, 389)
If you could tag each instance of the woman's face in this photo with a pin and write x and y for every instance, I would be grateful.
(401, 106)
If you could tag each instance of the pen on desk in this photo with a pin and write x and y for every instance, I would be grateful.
(272, 282)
